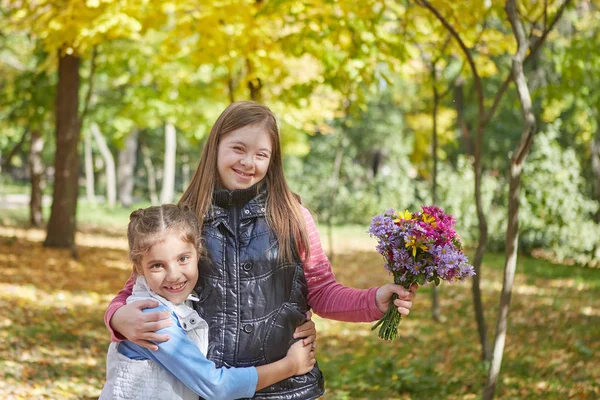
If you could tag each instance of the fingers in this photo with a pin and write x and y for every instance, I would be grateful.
(153, 336)
(309, 340)
(156, 326)
(306, 329)
(403, 306)
(141, 304)
(312, 359)
(157, 316)
(305, 333)
(306, 325)
(308, 315)
(403, 293)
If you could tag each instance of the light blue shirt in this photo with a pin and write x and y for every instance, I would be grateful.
(182, 358)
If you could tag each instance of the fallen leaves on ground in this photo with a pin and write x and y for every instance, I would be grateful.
(53, 340)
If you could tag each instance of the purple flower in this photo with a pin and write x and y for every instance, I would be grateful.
(424, 248)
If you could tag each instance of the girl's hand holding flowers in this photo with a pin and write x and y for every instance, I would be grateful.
(418, 248)
(403, 302)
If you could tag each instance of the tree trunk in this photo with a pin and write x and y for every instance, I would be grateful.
(460, 116)
(478, 260)
(507, 286)
(36, 171)
(126, 171)
(151, 174)
(231, 89)
(475, 151)
(89, 170)
(168, 184)
(109, 162)
(482, 121)
(516, 168)
(62, 224)
(595, 155)
(185, 172)
(254, 83)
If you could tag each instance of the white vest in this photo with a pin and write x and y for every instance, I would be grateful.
(128, 379)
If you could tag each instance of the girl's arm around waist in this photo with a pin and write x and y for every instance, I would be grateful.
(182, 358)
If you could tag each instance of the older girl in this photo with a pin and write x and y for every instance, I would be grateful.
(266, 264)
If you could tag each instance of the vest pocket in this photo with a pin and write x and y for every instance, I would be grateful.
(280, 332)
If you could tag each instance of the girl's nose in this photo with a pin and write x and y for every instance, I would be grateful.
(173, 274)
(246, 161)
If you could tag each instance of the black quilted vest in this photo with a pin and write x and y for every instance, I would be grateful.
(251, 302)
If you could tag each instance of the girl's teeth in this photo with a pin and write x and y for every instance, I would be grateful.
(176, 287)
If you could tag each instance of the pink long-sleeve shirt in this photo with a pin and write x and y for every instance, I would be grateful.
(327, 297)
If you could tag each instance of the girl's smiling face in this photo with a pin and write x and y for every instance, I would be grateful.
(171, 268)
(243, 157)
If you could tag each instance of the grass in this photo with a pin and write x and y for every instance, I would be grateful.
(53, 339)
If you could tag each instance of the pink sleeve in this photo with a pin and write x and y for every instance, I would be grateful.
(119, 301)
(327, 297)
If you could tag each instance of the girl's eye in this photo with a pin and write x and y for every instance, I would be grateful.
(184, 259)
(263, 155)
(155, 266)
(238, 149)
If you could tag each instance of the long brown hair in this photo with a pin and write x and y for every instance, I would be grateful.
(284, 215)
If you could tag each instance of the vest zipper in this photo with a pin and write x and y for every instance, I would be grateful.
(234, 227)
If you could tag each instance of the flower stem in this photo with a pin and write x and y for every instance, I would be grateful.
(391, 319)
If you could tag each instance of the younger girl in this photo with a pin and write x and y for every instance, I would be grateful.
(265, 266)
(164, 246)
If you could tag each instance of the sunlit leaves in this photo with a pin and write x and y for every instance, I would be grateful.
(73, 26)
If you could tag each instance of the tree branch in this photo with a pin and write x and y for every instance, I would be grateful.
(521, 83)
(547, 31)
(464, 48)
(533, 51)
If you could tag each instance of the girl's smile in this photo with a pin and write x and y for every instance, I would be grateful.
(176, 288)
(171, 268)
(243, 157)
(243, 175)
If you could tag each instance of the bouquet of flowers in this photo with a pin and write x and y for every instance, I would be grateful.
(418, 248)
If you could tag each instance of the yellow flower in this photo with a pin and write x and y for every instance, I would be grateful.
(429, 219)
(406, 215)
(412, 244)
